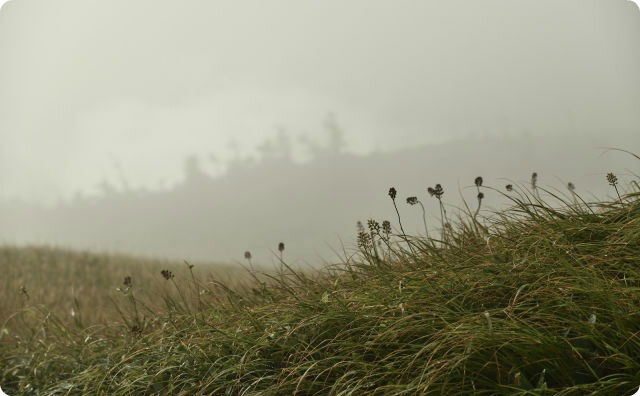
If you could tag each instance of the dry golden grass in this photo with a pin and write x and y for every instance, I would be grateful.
(84, 288)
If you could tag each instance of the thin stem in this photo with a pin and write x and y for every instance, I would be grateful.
(184, 300)
(400, 222)
(196, 285)
(444, 210)
(373, 243)
(443, 219)
(135, 308)
(424, 219)
(250, 265)
(479, 204)
(617, 192)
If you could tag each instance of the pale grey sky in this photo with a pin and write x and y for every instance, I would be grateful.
(88, 84)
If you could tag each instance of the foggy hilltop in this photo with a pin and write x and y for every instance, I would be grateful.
(311, 206)
(151, 151)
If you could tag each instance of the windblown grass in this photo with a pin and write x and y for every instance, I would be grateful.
(542, 298)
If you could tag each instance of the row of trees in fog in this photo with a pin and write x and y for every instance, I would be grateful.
(310, 205)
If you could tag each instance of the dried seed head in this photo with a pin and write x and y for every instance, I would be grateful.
(534, 180)
(431, 191)
(571, 186)
(247, 255)
(359, 226)
(478, 181)
(438, 191)
(480, 196)
(364, 240)
(281, 247)
(374, 226)
(127, 281)
(386, 227)
(393, 193)
(166, 274)
(509, 187)
(412, 200)
(612, 179)
(23, 291)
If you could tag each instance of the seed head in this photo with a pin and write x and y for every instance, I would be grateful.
(438, 191)
(247, 255)
(478, 181)
(571, 186)
(509, 187)
(166, 274)
(281, 247)
(412, 200)
(374, 226)
(364, 240)
(480, 196)
(612, 179)
(386, 227)
(127, 281)
(359, 226)
(393, 193)
(534, 180)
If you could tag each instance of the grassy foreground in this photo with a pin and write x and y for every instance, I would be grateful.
(542, 298)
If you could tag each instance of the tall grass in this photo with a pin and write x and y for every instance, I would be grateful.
(87, 289)
(543, 298)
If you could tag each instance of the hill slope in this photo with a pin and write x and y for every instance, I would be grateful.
(533, 300)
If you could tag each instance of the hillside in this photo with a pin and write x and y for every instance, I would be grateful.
(541, 298)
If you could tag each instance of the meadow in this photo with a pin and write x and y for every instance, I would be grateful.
(540, 298)
(85, 289)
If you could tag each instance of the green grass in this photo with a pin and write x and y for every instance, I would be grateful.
(542, 298)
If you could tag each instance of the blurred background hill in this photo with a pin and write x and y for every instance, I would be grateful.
(312, 206)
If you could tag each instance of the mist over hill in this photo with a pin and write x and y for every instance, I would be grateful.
(146, 83)
(311, 206)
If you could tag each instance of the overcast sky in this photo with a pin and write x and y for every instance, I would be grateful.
(88, 86)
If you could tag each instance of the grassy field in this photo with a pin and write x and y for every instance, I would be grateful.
(86, 289)
(542, 298)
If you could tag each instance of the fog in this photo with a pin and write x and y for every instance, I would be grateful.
(200, 129)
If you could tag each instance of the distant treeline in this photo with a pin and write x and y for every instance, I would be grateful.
(313, 205)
